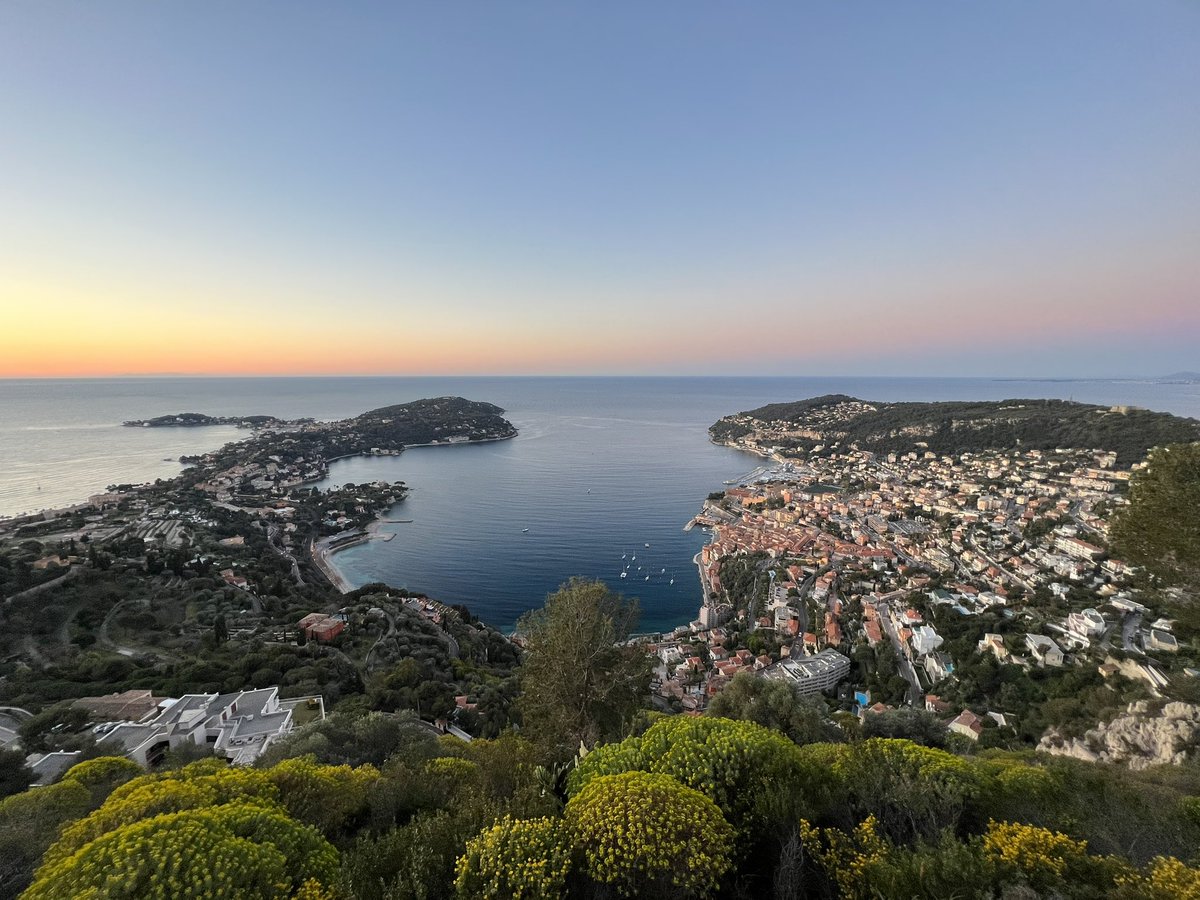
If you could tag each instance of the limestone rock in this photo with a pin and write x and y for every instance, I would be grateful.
(1143, 736)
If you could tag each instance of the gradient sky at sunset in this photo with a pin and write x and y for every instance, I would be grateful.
(912, 188)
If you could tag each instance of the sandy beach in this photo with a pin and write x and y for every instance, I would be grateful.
(321, 554)
(323, 551)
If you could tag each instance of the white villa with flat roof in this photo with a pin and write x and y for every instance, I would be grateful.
(238, 726)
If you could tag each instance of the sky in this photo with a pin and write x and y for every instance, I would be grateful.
(808, 188)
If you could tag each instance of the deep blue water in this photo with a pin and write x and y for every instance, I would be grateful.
(639, 445)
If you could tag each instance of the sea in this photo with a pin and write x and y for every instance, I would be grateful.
(603, 470)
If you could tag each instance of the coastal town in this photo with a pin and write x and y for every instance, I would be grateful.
(964, 584)
(211, 600)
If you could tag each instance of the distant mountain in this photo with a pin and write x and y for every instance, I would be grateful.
(1180, 378)
(955, 427)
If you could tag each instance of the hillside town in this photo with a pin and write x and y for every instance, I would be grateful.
(819, 571)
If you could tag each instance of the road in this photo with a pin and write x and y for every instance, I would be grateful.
(1129, 629)
(904, 664)
(1007, 574)
(102, 636)
(391, 629)
(801, 606)
(273, 538)
(11, 718)
(73, 572)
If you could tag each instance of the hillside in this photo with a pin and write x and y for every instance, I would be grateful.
(426, 421)
(956, 426)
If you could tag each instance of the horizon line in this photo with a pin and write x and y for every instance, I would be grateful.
(663, 376)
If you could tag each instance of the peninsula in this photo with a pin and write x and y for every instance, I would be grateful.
(838, 421)
(217, 581)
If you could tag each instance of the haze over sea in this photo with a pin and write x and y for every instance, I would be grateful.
(602, 467)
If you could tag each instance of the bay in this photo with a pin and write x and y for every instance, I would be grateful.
(602, 466)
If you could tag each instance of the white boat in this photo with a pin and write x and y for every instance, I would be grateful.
(634, 559)
(672, 581)
(524, 531)
(647, 545)
(647, 577)
(623, 574)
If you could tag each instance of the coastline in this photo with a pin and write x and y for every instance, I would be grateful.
(321, 557)
(323, 550)
(323, 553)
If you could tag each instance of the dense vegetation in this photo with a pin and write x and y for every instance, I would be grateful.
(598, 798)
(958, 426)
(688, 808)
(1160, 527)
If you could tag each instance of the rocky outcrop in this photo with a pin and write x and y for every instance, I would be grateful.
(1146, 734)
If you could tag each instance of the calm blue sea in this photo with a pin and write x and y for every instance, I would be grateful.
(602, 467)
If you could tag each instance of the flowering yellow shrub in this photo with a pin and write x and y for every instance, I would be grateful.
(1040, 855)
(236, 850)
(522, 859)
(453, 771)
(223, 781)
(736, 764)
(645, 834)
(314, 890)
(151, 795)
(846, 858)
(324, 796)
(104, 770)
(1166, 878)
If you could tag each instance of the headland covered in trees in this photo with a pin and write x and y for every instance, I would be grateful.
(952, 427)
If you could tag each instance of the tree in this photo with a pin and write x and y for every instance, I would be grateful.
(579, 683)
(774, 705)
(1159, 529)
(15, 776)
(356, 738)
(916, 725)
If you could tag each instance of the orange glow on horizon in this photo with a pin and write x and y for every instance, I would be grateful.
(59, 330)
